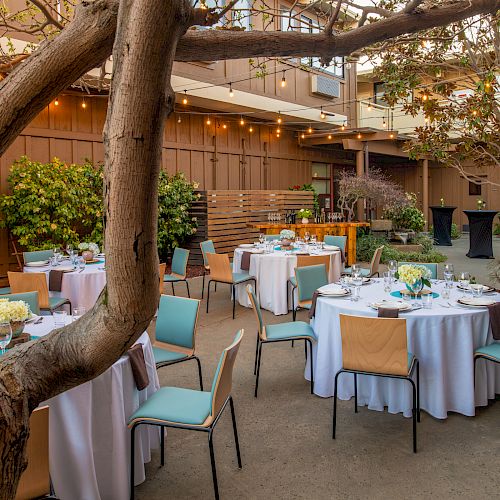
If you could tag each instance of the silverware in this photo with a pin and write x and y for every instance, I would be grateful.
(38, 321)
(81, 270)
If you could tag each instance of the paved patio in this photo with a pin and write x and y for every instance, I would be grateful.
(285, 434)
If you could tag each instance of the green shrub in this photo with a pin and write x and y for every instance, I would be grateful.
(426, 241)
(53, 203)
(175, 223)
(455, 232)
(407, 217)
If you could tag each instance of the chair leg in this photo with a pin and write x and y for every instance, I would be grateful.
(132, 449)
(312, 365)
(355, 393)
(187, 286)
(414, 415)
(235, 431)
(208, 292)
(214, 470)
(162, 445)
(199, 372)
(256, 354)
(173, 291)
(70, 308)
(203, 286)
(233, 292)
(418, 391)
(258, 369)
(335, 404)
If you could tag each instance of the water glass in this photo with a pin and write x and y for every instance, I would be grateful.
(262, 238)
(81, 263)
(69, 249)
(78, 312)
(448, 268)
(307, 236)
(5, 336)
(313, 239)
(387, 281)
(448, 277)
(477, 290)
(464, 281)
(356, 293)
(355, 268)
(59, 318)
(446, 292)
(393, 267)
(427, 300)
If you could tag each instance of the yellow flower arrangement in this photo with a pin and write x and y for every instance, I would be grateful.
(409, 274)
(15, 310)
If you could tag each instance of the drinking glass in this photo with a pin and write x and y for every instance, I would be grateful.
(446, 292)
(393, 267)
(357, 281)
(5, 336)
(262, 238)
(448, 268)
(81, 263)
(387, 281)
(464, 281)
(448, 277)
(69, 248)
(307, 236)
(313, 239)
(477, 290)
(78, 312)
(59, 318)
(355, 268)
(427, 300)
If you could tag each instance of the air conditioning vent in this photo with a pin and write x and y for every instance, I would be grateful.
(324, 86)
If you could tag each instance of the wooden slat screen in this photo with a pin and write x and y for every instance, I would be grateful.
(223, 216)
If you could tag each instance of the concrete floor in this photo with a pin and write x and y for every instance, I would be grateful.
(285, 434)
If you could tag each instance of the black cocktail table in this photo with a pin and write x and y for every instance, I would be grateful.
(441, 220)
(480, 233)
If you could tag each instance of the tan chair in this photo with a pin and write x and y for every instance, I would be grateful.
(220, 272)
(374, 265)
(36, 282)
(377, 346)
(162, 269)
(35, 480)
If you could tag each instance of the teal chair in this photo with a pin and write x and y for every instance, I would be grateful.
(338, 241)
(38, 255)
(5, 290)
(273, 237)
(374, 265)
(433, 268)
(176, 327)
(206, 248)
(31, 298)
(178, 271)
(281, 332)
(489, 352)
(192, 410)
(309, 279)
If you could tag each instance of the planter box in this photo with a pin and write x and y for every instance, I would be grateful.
(407, 248)
(381, 225)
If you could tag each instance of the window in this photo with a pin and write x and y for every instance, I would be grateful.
(288, 23)
(474, 189)
(379, 93)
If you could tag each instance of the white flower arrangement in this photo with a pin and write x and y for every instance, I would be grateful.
(287, 234)
(14, 310)
(93, 247)
(410, 273)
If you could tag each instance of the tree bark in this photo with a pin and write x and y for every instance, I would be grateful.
(140, 101)
(87, 42)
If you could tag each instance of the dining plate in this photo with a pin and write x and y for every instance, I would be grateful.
(333, 291)
(348, 280)
(37, 263)
(476, 301)
(330, 247)
(486, 288)
(246, 245)
(391, 304)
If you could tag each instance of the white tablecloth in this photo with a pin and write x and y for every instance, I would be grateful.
(81, 288)
(272, 271)
(89, 442)
(443, 339)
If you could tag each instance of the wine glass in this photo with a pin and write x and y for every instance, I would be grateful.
(5, 336)
(81, 264)
(387, 281)
(307, 236)
(355, 269)
(69, 249)
(464, 282)
(313, 239)
(262, 238)
(393, 267)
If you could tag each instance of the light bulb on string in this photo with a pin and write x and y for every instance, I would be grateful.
(242, 122)
(224, 126)
(474, 112)
(322, 114)
(56, 102)
(310, 130)
(84, 104)
(208, 121)
(425, 97)
(278, 131)
(487, 85)
(330, 137)
(179, 119)
(343, 126)
(391, 135)
(185, 99)
(359, 136)
(250, 129)
(384, 123)
(279, 120)
(283, 80)
(231, 93)
(302, 136)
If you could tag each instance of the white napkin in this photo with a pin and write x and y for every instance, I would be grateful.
(331, 288)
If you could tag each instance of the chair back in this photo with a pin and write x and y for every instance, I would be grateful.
(179, 261)
(31, 298)
(176, 322)
(433, 268)
(338, 241)
(162, 270)
(223, 379)
(35, 480)
(206, 248)
(220, 268)
(375, 345)
(256, 309)
(309, 279)
(273, 237)
(375, 263)
(37, 255)
(314, 260)
(30, 282)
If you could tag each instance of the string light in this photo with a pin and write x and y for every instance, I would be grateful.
(283, 80)
(231, 93)
(322, 114)
(302, 136)
(310, 130)
(250, 129)
(343, 126)
(370, 107)
(391, 135)
(425, 97)
(242, 122)
(56, 102)
(474, 112)
(84, 104)
(208, 121)
(279, 120)
(359, 136)
(224, 126)
(487, 85)
(185, 100)
(179, 119)
(278, 131)
(329, 137)
(384, 124)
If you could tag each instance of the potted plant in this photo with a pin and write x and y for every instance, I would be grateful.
(15, 312)
(287, 236)
(304, 214)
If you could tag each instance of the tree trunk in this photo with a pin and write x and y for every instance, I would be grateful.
(138, 108)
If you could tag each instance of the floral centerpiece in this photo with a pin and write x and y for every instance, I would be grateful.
(414, 277)
(15, 312)
(305, 214)
(89, 250)
(286, 237)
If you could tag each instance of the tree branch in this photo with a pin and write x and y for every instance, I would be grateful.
(412, 5)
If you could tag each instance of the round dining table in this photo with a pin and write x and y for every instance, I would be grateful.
(273, 270)
(443, 339)
(82, 288)
(89, 440)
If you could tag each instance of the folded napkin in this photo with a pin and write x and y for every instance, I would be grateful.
(388, 312)
(331, 287)
(55, 280)
(312, 311)
(494, 310)
(136, 356)
(245, 261)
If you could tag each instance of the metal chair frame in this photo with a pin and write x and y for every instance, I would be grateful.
(233, 289)
(187, 358)
(416, 394)
(208, 429)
